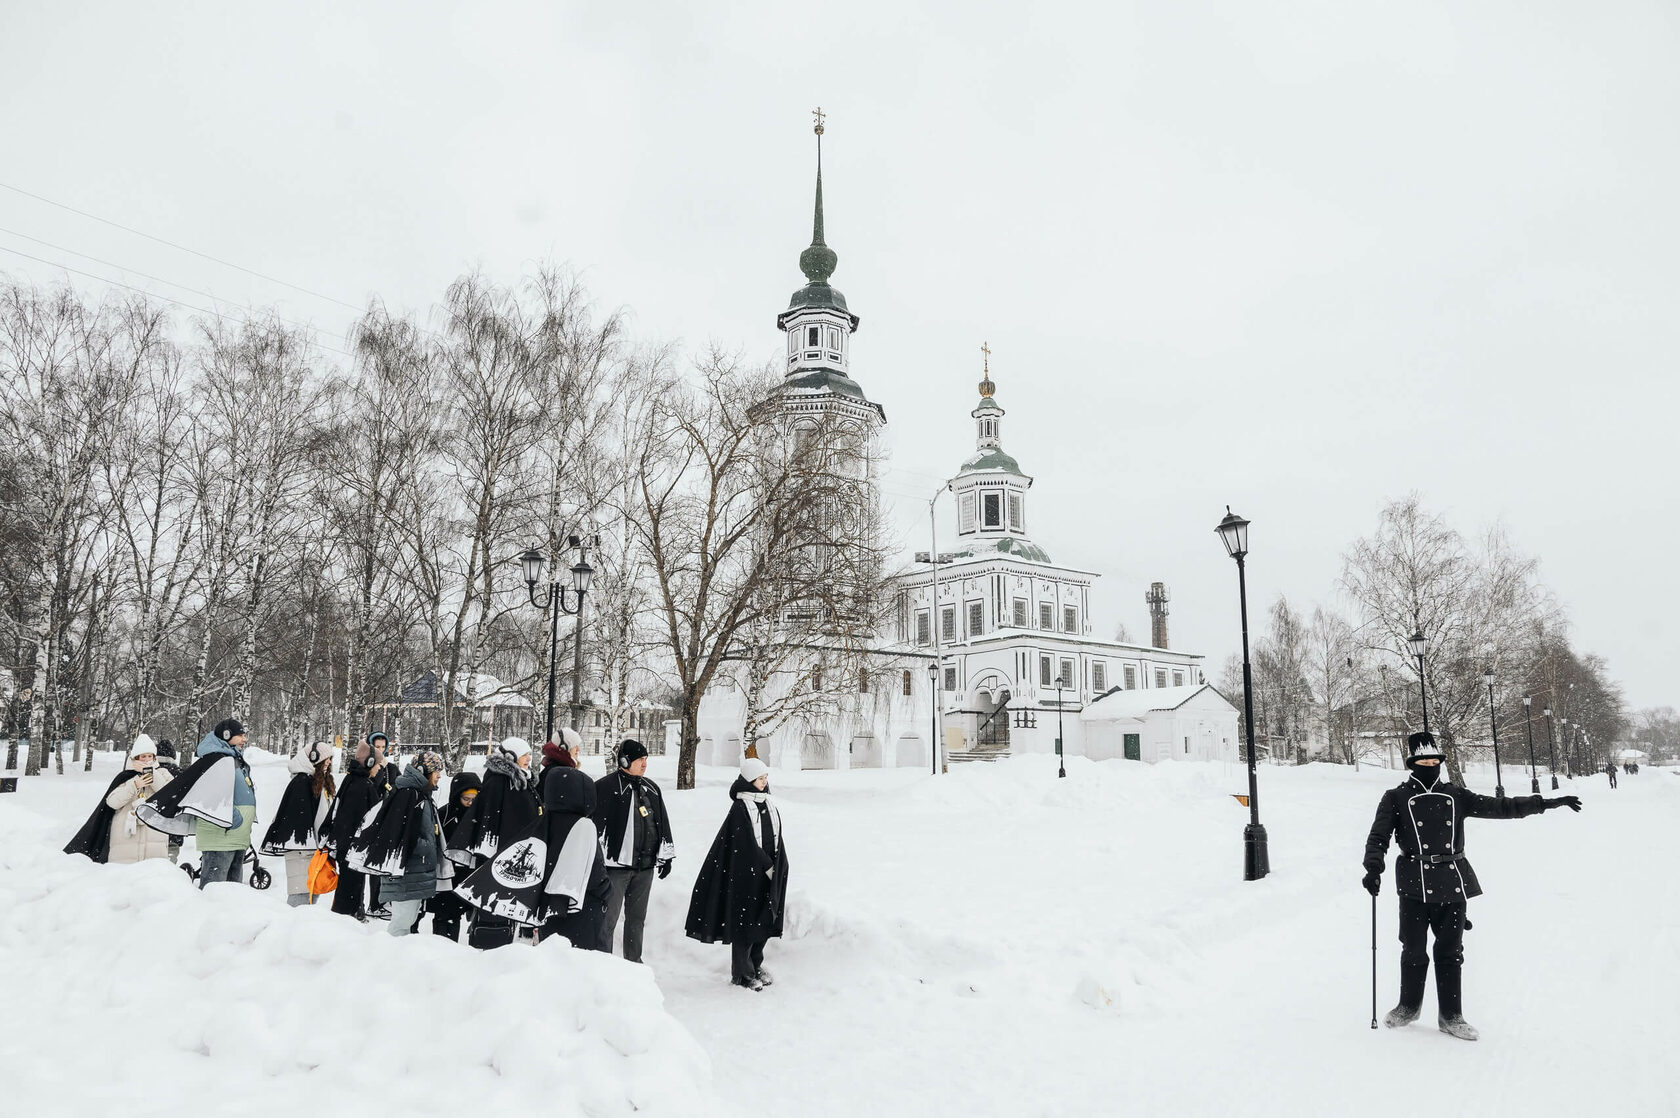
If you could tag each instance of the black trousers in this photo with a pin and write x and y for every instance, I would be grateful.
(627, 890)
(746, 956)
(1417, 920)
(447, 910)
(347, 898)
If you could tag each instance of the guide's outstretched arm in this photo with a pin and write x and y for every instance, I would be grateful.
(1475, 805)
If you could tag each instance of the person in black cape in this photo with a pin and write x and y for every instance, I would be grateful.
(297, 830)
(401, 841)
(1425, 816)
(741, 893)
(94, 837)
(355, 798)
(447, 909)
(505, 809)
(553, 876)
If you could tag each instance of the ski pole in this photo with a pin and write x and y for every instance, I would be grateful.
(1373, 960)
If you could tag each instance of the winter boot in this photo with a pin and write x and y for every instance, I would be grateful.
(1401, 1016)
(764, 978)
(1458, 1027)
(752, 984)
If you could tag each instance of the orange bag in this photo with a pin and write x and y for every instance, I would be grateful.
(322, 878)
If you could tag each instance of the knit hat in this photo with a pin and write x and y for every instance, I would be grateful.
(570, 738)
(166, 748)
(427, 761)
(142, 745)
(318, 751)
(752, 768)
(514, 748)
(629, 752)
(1422, 744)
(228, 729)
(377, 735)
(555, 754)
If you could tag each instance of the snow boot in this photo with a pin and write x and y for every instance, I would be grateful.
(752, 984)
(1459, 1027)
(1401, 1016)
(764, 978)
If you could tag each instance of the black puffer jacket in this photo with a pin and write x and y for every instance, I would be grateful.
(1427, 824)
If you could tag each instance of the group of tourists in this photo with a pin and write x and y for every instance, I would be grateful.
(515, 854)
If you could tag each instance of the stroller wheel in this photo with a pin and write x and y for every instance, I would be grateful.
(190, 870)
(261, 878)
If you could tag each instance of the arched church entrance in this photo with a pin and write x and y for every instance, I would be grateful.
(991, 712)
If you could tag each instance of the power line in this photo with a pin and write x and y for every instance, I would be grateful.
(147, 275)
(143, 291)
(180, 247)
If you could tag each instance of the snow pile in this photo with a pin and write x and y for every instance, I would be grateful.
(158, 999)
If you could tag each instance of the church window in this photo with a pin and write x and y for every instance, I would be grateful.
(1099, 676)
(976, 618)
(924, 627)
(833, 338)
(1131, 678)
(1187, 745)
(811, 335)
(1178, 679)
(1067, 674)
(1160, 677)
(948, 624)
(1044, 671)
(1046, 616)
(965, 520)
(994, 510)
(1019, 620)
(1015, 512)
(950, 679)
(907, 683)
(1070, 619)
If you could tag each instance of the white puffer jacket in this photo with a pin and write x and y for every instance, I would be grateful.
(132, 840)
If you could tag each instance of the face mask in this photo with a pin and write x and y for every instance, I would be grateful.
(1428, 774)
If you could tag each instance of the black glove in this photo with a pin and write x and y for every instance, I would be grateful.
(665, 869)
(1372, 883)
(1573, 803)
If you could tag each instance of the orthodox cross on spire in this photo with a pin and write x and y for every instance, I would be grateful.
(986, 385)
(818, 262)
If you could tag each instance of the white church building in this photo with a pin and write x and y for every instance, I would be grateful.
(1007, 636)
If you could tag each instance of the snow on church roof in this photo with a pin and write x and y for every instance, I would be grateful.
(1137, 703)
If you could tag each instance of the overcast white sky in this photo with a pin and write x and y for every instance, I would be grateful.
(1297, 257)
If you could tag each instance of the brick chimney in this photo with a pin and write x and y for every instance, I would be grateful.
(1157, 599)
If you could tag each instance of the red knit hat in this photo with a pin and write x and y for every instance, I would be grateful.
(555, 754)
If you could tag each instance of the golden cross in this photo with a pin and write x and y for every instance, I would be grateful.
(820, 115)
(987, 359)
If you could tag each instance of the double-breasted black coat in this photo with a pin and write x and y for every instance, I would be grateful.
(1427, 824)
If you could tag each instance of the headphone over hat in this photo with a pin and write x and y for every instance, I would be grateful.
(629, 752)
(228, 729)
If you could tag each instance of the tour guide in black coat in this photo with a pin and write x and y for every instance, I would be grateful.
(741, 893)
(355, 797)
(1425, 816)
(636, 836)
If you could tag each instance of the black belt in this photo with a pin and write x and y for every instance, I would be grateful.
(1435, 859)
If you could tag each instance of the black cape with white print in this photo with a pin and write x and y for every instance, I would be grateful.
(503, 811)
(553, 870)
(204, 791)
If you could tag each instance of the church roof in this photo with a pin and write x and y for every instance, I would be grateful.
(1006, 548)
(1117, 703)
(992, 458)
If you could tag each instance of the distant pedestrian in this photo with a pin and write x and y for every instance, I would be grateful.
(298, 827)
(1610, 771)
(1425, 816)
(402, 842)
(213, 800)
(113, 833)
(355, 799)
(636, 835)
(741, 894)
(446, 908)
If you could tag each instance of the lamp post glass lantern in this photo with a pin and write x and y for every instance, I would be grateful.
(535, 565)
(1493, 724)
(1233, 533)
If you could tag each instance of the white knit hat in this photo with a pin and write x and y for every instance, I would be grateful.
(142, 744)
(515, 748)
(752, 768)
(570, 738)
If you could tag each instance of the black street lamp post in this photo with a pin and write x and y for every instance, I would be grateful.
(1568, 761)
(1419, 645)
(1493, 722)
(933, 739)
(1533, 777)
(534, 563)
(1233, 532)
(1551, 749)
(1061, 766)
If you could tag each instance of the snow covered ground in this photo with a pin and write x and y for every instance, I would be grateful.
(994, 942)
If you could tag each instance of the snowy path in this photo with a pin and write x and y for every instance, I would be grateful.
(999, 942)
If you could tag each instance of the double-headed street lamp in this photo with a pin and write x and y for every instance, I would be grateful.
(535, 564)
(1493, 721)
(1551, 748)
(1533, 777)
(1233, 532)
(1061, 767)
(1420, 644)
